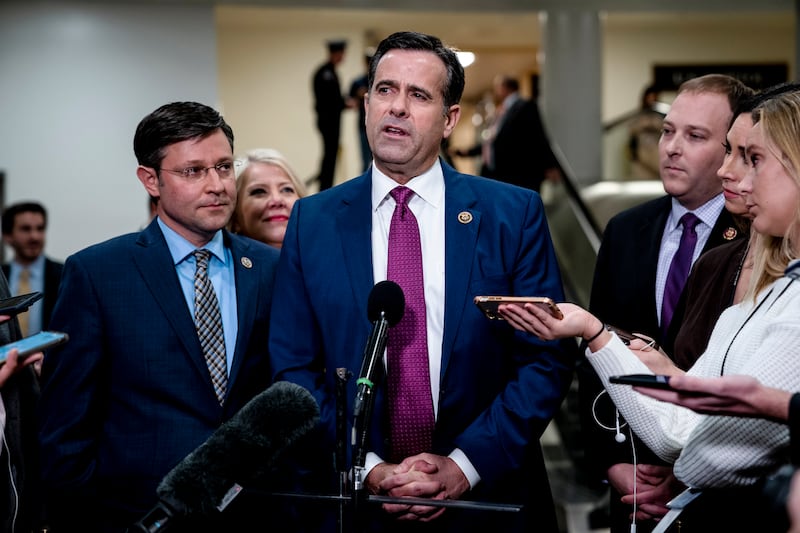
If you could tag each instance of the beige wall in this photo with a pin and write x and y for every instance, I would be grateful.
(80, 75)
(266, 58)
(266, 96)
(632, 45)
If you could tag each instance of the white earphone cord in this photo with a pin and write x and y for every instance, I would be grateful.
(620, 438)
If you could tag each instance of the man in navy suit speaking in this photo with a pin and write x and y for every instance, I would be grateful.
(486, 393)
(168, 331)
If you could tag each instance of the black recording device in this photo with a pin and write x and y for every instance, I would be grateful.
(242, 450)
(643, 380)
(19, 304)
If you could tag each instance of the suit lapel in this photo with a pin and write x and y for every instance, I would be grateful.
(154, 262)
(247, 297)
(724, 230)
(649, 246)
(461, 223)
(354, 221)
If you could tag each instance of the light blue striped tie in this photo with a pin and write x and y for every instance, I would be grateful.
(208, 321)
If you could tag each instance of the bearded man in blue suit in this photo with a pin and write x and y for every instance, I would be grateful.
(131, 393)
(493, 391)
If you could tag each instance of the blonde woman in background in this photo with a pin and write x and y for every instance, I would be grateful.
(266, 188)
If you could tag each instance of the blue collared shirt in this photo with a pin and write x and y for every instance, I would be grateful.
(220, 270)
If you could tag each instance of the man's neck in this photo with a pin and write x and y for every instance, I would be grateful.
(24, 262)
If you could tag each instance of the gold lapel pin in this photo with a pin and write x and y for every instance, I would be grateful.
(246, 262)
(465, 217)
(729, 234)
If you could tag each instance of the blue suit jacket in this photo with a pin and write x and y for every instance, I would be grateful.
(498, 389)
(130, 395)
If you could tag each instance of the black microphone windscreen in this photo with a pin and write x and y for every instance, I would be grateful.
(243, 449)
(387, 297)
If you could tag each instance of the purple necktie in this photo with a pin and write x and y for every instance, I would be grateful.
(408, 383)
(679, 269)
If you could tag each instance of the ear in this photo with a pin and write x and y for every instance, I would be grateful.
(150, 180)
(451, 119)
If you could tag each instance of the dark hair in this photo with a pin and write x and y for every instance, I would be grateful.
(646, 92)
(10, 214)
(172, 123)
(750, 104)
(510, 83)
(408, 40)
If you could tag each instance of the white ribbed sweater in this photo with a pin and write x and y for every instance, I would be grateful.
(719, 451)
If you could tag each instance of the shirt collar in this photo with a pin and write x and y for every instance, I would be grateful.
(429, 186)
(180, 248)
(36, 266)
(708, 213)
(510, 100)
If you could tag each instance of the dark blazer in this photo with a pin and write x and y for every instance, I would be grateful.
(521, 148)
(623, 295)
(709, 291)
(130, 394)
(52, 280)
(499, 388)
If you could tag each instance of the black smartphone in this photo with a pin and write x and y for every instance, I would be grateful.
(626, 337)
(488, 304)
(19, 304)
(643, 380)
(33, 344)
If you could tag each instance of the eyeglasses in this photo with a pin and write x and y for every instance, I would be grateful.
(224, 171)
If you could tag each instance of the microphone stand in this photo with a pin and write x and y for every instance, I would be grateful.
(357, 497)
(342, 375)
(371, 373)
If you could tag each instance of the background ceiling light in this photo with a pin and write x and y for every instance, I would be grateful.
(465, 58)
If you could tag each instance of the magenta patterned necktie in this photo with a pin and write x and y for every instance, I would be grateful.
(408, 381)
(679, 269)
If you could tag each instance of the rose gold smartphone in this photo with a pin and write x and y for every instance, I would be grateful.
(488, 304)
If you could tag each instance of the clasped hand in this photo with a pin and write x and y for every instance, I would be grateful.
(421, 476)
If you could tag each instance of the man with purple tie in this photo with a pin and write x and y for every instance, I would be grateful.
(465, 424)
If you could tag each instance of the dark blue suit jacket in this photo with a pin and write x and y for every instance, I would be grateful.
(498, 389)
(130, 394)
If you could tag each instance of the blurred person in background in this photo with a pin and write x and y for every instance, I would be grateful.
(24, 229)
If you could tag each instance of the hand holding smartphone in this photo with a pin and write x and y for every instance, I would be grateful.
(33, 344)
(489, 304)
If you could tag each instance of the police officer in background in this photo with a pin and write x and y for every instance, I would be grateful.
(329, 104)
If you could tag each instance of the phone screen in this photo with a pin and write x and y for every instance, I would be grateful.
(34, 343)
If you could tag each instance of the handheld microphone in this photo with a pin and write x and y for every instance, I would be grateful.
(385, 308)
(244, 448)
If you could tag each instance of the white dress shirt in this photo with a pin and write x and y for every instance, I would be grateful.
(427, 204)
